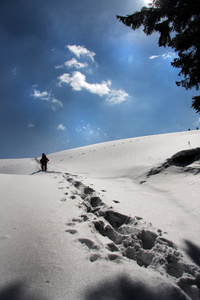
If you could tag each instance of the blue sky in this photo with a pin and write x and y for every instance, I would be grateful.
(73, 75)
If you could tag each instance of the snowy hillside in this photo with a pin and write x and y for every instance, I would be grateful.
(117, 220)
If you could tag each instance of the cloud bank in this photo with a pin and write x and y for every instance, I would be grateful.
(78, 82)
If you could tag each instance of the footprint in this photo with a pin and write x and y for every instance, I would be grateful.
(77, 220)
(85, 217)
(77, 184)
(116, 201)
(90, 244)
(94, 257)
(116, 219)
(70, 180)
(63, 199)
(114, 257)
(138, 218)
(96, 201)
(107, 230)
(72, 231)
(5, 237)
(88, 190)
(112, 247)
(143, 181)
(148, 238)
(70, 224)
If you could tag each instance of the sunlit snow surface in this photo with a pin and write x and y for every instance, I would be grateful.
(118, 220)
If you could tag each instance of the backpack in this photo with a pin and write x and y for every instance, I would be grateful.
(44, 159)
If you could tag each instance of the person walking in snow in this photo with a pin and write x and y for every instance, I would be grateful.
(44, 160)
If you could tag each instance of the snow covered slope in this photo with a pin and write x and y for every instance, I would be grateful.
(124, 157)
(117, 220)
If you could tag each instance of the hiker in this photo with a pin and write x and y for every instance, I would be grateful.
(44, 160)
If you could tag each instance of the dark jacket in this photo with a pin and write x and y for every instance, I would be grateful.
(44, 160)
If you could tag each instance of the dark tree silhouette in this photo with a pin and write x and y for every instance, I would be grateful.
(178, 25)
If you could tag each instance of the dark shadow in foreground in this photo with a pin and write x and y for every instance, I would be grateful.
(18, 291)
(124, 288)
(193, 251)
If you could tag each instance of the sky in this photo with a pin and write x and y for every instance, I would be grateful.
(73, 75)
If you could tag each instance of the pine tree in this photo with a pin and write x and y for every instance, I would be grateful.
(178, 25)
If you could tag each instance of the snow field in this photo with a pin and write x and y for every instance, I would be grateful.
(107, 221)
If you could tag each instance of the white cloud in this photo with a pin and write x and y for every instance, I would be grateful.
(30, 125)
(74, 63)
(88, 129)
(197, 121)
(81, 51)
(58, 102)
(154, 56)
(90, 132)
(14, 71)
(61, 127)
(42, 95)
(78, 82)
(169, 55)
(166, 55)
(59, 67)
(47, 96)
(117, 96)
(100, 89)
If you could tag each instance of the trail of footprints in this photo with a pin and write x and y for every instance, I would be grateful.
(124, 237)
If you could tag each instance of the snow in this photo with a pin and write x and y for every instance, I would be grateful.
(117, 220)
